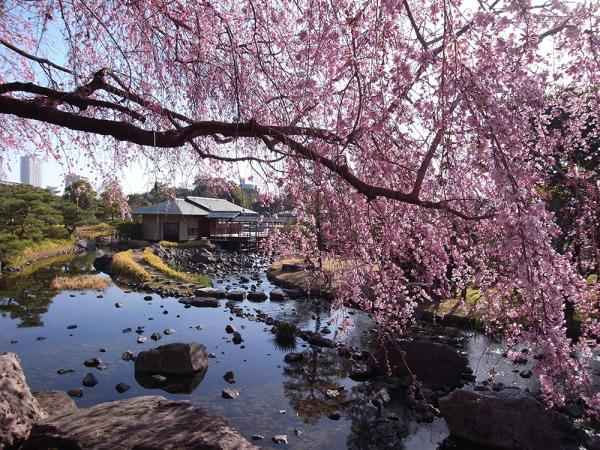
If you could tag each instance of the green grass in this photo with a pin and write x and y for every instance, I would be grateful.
(124, 264)
(156, 262)
(454, 306)
(40, 250)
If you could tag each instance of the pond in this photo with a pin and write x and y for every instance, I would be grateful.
(275, 398)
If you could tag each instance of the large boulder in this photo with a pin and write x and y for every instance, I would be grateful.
(150, 422)
(55, 403)
(177, 359)
(431, 362)
(508, 419)
(19, 409)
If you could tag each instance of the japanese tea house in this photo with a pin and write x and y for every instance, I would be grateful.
(190, 218)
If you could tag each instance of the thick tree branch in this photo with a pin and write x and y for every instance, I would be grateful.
(67, 97)
(124, 131)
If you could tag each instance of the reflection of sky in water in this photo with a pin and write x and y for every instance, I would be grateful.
(266, 385)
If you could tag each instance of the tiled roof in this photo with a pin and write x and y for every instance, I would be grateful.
(176, 206)
(218, 205)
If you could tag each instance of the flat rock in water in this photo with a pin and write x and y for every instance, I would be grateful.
(19, 409)
(508, 419)
(200, 302)
(236, 295)
(172, 359)
(210, 292)
(150, 422)
(256, 296)
(55, 403)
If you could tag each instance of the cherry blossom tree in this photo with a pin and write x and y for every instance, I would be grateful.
(421, 129)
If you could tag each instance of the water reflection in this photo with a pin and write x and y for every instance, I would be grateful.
(27, 295)
(312, 384)
(171, 384)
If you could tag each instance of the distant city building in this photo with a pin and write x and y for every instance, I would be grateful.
(248, 187)
(71, 178)
(31, 170)
(8, 183)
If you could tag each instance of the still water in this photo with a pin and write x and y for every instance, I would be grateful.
(275, 398)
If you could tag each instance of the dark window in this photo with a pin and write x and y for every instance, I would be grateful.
(192, 231)
(171, 231)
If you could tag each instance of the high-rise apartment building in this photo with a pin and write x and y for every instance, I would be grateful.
(31, 170)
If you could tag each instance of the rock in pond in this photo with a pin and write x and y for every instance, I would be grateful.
(19, 409)
(92, 362)
(200, 302)
(150, 422)
(277, 295)
(122, 387)
(236, 295)
(237, 338)
(55, 403)
(75, 393)
(172, 359)
(229, 377)
(230, 393)
(508, 419)
(256, 296)
(90, 380)
(210, 292)
(431, 362)
(280, 439)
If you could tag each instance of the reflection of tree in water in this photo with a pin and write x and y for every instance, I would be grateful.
(26, 295)
(308, 383)
(370, 431)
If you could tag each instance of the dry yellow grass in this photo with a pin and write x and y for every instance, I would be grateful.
(124, 264)
(189, 244)
(306, 279)
(80, 283)
(43, 249)
(155, 261)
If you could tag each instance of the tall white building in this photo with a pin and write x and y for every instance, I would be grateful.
(31, 170)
